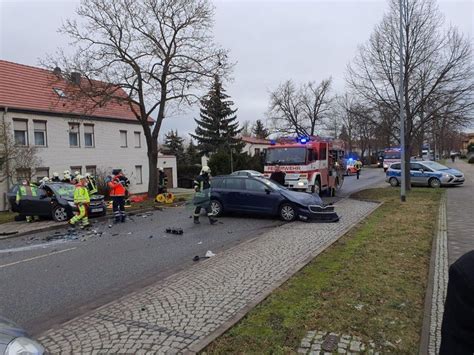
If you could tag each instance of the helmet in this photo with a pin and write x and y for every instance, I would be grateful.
(76, 173)
(206, 169)
(45, 179)
(87, 175)
(160, 168)
(55, 174)
(78, 177)
(67, 172)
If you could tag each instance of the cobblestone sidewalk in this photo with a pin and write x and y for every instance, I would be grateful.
(188, 309)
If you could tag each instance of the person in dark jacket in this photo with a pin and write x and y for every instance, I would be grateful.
(278, 176)
(457, 330)
(202, 186)
(162, 181)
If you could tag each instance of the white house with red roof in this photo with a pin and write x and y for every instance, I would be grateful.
(69, 136)
(254, 146)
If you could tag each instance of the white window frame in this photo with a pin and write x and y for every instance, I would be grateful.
(139, 168)
(139, 135)
(25, 132)
(78, 125)
(45, 133)
(92, 134)
(126, 139)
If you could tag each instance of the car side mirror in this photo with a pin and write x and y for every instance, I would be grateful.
(42, 197)
(267, 190)
(422, 170)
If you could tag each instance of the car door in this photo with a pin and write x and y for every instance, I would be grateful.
(258, 197)
(416, 173)
(39, 205)
(231, 193)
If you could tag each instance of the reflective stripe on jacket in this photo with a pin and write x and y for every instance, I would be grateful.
(81, 195)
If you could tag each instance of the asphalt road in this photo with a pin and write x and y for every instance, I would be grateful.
(47, 283)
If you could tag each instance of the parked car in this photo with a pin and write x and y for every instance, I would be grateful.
(247, 173)
(426, 173)
(54, 200)
(14, 340)
(258, 195)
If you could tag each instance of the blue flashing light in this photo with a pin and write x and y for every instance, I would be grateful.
(272, 142)
(350, 159)
(303, 140)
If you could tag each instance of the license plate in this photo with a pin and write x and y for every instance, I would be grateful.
(93, 210)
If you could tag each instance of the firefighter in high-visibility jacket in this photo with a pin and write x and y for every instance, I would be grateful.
(91, 184)
(24, 190)
(117, 186)
(82, 201)
(202, 197)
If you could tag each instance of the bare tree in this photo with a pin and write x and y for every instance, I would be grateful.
(15, 158)
(437, 68)
(316, 103)
(299, 110)
(285, 110)
(160, 52)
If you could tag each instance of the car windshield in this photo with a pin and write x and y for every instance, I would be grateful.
(435, 166)
(295, 155)
(392, 155)
(63, 190)
(272, 184)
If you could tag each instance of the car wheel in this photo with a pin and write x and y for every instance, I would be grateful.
(434, 182)
(60, 214)
(393, 182)
(216, 208)
(287, 212)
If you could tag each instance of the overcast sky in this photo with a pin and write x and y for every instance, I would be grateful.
(271, 41)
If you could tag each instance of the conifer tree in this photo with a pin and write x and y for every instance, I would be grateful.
(218, 127)
(260, 131)
(174, 146)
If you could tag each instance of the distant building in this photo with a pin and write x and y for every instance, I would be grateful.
(468, 138)
(35, 103)
(254, 146)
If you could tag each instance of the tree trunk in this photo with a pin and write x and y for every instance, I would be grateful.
(152, 166)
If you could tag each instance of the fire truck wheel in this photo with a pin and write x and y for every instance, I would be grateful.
(287, 212)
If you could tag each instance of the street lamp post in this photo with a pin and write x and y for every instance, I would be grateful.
(402, 112)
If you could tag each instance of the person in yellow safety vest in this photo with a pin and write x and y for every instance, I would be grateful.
(82, 200)
(91, 184)
(358, 167)
(24, 190)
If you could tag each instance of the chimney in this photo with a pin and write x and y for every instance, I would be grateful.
(57, 71)
(76, 78)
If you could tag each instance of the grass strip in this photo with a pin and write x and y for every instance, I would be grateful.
(370, 283)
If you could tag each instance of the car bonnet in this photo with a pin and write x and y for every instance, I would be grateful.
(302, 198)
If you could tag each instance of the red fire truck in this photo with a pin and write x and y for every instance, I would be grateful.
(312, 164)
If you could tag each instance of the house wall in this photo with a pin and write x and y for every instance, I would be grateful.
(250, 148)
(106, 154)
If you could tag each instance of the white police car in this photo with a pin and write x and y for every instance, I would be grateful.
(426, 173)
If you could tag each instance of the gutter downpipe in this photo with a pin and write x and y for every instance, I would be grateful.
(4, 195)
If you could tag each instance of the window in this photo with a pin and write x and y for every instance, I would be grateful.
(257, 151)
(322, 150)
(138, 173)
(23, 174)
(254, 185)
(233, 184)
(395, 166)
(91, 169)
(123, 139)
(312, 155)
(138, 139)
(89, 135)
(20, 128)
(40, 133)
(76, 168)
(416, 166)
(74, 135)
(217, 183)
(59, 92)
(41, 173)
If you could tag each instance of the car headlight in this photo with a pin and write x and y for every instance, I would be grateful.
(447, 176)
(72, 204)
(300, 183)
(24, 346)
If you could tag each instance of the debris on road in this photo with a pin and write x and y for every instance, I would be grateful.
(178, 231)
(209, 254)
(199, 243)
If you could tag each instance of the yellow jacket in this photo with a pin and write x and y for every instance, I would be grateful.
(81, 195)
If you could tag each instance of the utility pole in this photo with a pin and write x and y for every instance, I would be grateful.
(402, 111)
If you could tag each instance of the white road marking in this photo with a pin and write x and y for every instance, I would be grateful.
(36, 257)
